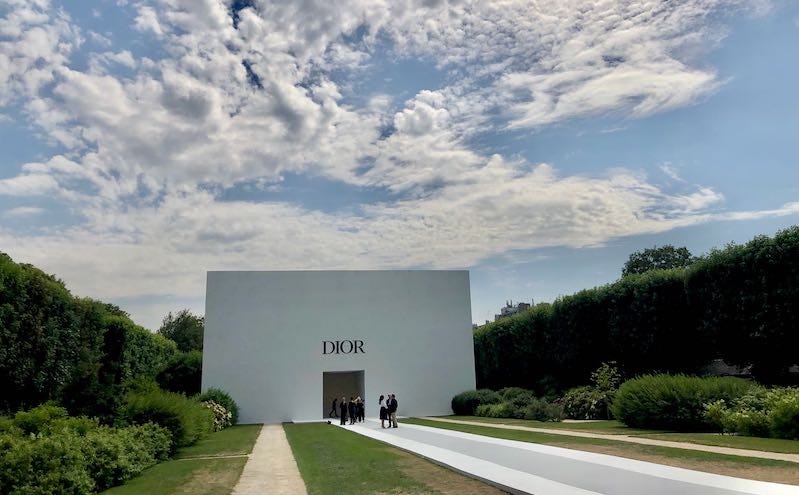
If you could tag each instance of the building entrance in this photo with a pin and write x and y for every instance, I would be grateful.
(338, 384)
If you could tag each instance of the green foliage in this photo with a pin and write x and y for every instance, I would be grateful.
(760, 412)
(740, 303)
(224, 399)
(541, 410)
(673, 402)
(185, 329)
(43, 466)
(186, 419)
(593, 401)
(657, 258)
(222, 417)
(35, 420)
(183, 373)
(54, 346)
(501, 410)
(466, 403)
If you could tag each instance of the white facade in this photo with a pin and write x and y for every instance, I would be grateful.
(265, 334)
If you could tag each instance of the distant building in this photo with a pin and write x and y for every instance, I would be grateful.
(511, 309)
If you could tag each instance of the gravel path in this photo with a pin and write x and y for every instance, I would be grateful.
(271, 467)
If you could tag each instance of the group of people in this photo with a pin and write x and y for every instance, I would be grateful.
(355, 410)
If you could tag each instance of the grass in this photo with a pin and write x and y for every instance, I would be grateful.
(743, 467)
(332, 461)
(617, 428)
(194, 470)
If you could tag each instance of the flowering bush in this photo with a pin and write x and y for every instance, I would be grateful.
(222, 417)
(761, 412)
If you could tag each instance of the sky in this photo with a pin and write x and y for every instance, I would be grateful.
(535, 143)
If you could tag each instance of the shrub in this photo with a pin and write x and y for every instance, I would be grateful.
(761, 412)
(43, 466)
(186, 419)
(673, 402)
(584, 403)
(222, 417)
(501, 410)
(466, 403)
(510, 393)
(34, 420)
(224, 399)
(541, 410)
(183, 373)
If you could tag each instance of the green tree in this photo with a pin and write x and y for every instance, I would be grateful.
(183, 373)
(657, 258)
(185, 329)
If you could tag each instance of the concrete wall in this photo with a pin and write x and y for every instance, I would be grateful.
(264, 334)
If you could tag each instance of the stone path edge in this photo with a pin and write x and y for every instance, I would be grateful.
(775, 456)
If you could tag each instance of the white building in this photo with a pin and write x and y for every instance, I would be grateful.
(284, 344)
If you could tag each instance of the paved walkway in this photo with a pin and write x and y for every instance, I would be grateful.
(271, 467)
(522, 467)
(777, 456)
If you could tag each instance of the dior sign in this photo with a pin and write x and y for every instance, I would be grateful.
(342, 347)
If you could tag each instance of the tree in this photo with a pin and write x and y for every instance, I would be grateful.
(185, 329)
(183, 373)
(657, 258)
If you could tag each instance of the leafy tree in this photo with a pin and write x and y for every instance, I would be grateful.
(185, 329)
(657, 258)
(183, 373)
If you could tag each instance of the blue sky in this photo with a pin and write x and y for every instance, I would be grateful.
(536, 144)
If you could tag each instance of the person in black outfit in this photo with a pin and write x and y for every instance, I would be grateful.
(383, 413)
(361, 410)
(333, 413)
(352, 410)
(343, 407)
(392, 411)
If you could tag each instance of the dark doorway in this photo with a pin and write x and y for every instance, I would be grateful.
(338, 384)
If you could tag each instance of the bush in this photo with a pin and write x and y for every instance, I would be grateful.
(501, 410)
(186, 419)
(43, 466)
(541, 410)
(183, 373)
(510, 393)
(224, 399)
(33, 421)
(761, 413)
(222, 417)
(584, 403)
(466, 403)
(673, 402)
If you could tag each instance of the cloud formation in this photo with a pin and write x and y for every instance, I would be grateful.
(152, 142)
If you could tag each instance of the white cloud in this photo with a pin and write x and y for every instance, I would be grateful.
(28, 185)
(23, 212)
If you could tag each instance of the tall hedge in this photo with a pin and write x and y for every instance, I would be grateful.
(54, 346)
(740, 303)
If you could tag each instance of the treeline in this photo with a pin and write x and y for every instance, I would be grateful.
(75, 351)
(739, 303)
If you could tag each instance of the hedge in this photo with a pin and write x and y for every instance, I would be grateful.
(466, 403)
(186, 419)
(740, 303)
(673, 402)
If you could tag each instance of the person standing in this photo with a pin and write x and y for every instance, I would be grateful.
(343, 407)
(352, 410)
(361, 410)
(383, 413)
(392, 409)
(333, 413)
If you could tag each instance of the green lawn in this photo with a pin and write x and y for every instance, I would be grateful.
(617, 428)
(745, 467)
(193, 472)
(333, 461)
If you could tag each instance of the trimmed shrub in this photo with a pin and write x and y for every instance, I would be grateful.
(183, 373)
(673, 402)
(510, 393)
(186, 419)
(224, 399)
(541, 410)
(466, 403)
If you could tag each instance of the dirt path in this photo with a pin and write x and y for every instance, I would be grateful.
(271, 467)
(777, 456)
